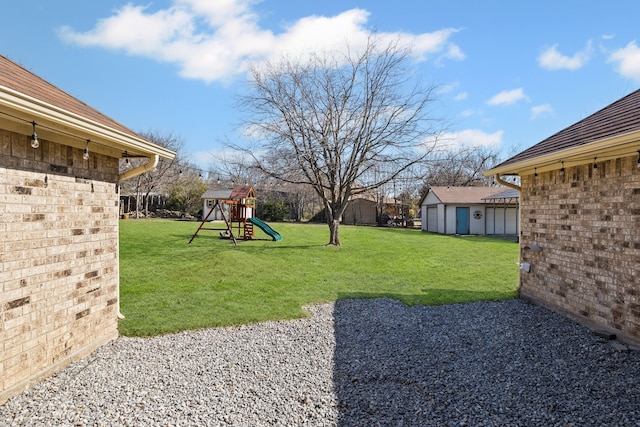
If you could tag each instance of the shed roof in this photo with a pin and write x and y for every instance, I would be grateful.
(465, 195)
(614, 127)
(236, 193)
(26, 98)
(218, 193)
(373, 197)
(509, 194)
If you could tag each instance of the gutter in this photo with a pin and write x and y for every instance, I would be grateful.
(604, 149)
(131, 173)
(53, 117)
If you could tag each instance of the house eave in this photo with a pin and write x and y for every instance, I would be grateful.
(605, 149)
(55, 120)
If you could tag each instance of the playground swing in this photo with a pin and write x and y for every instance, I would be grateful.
(239, 222)
(227, 231)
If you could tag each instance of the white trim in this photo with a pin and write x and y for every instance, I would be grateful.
(67, 122)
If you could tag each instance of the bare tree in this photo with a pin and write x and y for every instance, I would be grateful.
(157, 179)
(235, 167)
(461, 167)
(327, 121)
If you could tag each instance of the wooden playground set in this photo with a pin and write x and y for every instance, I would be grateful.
(236, 207)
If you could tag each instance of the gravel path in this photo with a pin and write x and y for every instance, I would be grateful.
(352, 363)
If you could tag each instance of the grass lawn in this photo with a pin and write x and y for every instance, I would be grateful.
(168, 285)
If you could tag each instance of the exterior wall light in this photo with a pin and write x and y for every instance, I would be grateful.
(34, 137)
(85, 154)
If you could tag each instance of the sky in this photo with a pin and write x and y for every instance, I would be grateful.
(508, 74)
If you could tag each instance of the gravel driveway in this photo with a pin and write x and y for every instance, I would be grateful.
(352, 363)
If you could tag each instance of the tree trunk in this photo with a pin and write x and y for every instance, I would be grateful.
(334, 238)
(137, 204)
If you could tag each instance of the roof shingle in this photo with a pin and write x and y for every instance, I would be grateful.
(620, 117)
(19, 79)
(464, 194)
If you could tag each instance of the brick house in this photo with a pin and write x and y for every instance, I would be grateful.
(580, 219)
(59, 273)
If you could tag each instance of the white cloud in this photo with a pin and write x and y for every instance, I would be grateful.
(538, 110)
(628, 61)
(469, 138)
(446, 88)
(508, 97)
(434, 43)
(461, 96)
(216, 40)
(552, 59)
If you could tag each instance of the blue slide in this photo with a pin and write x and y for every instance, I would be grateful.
(265, 227)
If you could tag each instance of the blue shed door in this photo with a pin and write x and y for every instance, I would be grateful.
(462, 220)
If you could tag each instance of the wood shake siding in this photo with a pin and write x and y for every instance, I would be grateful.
(59, 272)
(588, 226)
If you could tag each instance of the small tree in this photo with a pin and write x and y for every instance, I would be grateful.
(275, 210)
(328, 121)
(185, 194)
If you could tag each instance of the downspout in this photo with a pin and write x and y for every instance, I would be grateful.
(131, 173)
(500, 181)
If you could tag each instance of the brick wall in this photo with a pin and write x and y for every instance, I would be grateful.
(58, 255)
(588, 226)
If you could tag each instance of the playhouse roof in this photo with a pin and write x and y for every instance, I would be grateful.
(242, 192)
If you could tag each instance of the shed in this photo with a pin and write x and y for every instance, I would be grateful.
(468, 210)
(209, 199)
(59, 270)
(580, 219)
(370, 208)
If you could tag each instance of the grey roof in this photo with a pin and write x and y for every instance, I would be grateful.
(218, 193)
(236, 193)
(509, 194)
